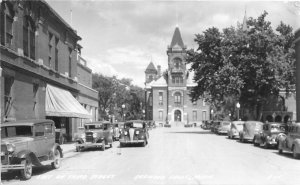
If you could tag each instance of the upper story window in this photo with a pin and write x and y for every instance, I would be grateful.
(6, 24)
(177, 99)
(194, 102)
(177, 80)
(177, 63)
(150, 78)
(70, 62)
(28, 37)
(160, 98)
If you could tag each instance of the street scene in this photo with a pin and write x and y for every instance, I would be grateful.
(173, 156)
(149, 92)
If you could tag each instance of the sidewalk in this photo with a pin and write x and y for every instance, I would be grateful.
(68, 147)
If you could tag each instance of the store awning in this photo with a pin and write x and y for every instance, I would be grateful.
(61, 103)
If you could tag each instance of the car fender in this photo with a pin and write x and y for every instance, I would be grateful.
(54, 147)
(296, 145)
(282, 142)
(27, 153)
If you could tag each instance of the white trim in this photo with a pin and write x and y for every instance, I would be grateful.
(88, 87)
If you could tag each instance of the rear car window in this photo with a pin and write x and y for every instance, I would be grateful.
(14, 131)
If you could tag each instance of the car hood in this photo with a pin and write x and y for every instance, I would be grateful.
(15, 140)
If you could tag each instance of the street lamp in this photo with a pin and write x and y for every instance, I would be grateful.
(143, 114)
(123, 107)
(212, 114)
(238, 110)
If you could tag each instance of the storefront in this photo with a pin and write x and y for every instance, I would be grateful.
(63, 109)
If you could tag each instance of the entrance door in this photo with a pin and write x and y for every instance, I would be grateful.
(177, 116)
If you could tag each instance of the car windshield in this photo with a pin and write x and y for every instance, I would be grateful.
(98, 126)
(239, 125)
(277, 128)
(255, 125)
(225, 123)
(16, 131)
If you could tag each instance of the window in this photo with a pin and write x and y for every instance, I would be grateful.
(203, 103)
(194, 115)
(150, 78)
(203, 115)
(160, 98)
(56, 53)
(194, 102)
(70, 62)
(150, 101)
(160, 115)
(6, 19)
(177, 97)
(28, 37)
(177, 80)
(50, 35)
(40, 130)
(177, 63)
(48, 129)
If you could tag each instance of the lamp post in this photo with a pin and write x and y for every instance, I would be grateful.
(143, 114)
(212, 114)
(123, 107)
(238, 110)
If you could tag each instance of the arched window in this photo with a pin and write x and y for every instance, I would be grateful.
(177, 99)
(6, 23)
(177, 63)
(28, 37)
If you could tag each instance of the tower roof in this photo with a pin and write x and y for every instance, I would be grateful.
(245, 26)
(177, 40)
(151, 68)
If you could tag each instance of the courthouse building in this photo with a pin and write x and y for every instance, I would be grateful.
(42, 73)
(167, 95)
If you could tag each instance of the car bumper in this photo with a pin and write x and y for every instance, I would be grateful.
(272, 142)
(131, 141)
(88, 144)
(222, 131)
(235, 135)
(5, 168)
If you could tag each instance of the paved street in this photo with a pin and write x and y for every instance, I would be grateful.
(173, 156)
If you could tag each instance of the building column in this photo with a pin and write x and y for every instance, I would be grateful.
(297, 49)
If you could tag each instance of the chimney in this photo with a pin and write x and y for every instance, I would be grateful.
(158, 71)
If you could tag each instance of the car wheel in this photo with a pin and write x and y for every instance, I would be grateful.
(57, 160)
(243, 140)
(265, 145)
(254, 143)
(295, 155)
(27, 171)
(280, 151)
(144, 143)
(103, 146)
(78, 149)
(110, 145)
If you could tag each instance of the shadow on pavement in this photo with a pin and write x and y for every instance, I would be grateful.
(15, 174)
(286, 154)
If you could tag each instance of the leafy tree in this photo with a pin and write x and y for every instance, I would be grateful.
(113, 93)
(247, 66)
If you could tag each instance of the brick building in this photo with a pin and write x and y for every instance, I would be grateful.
(167, 95)
(42, 73)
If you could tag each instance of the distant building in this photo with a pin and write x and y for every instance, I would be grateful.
(41, 70)
(167, 95)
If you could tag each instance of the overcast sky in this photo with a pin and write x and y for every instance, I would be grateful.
(120, 37)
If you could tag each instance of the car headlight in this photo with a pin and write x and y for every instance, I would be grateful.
(125, 133)
(137, 132)
(11, 148)
(94, 135)
(82, 135)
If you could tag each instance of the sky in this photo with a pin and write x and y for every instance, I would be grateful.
(121, 37)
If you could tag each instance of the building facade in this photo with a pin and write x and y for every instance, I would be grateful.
(167, 95)
(40, 70)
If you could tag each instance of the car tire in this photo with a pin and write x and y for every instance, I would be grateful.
(26, 173)
(78, 149)
(254, 143)
(57, 160)
(265, 145)
(103, 146)
(295, 155)
(280, 151)
(110, 145)
(144, 143)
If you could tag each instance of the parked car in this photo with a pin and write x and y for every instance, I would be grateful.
(29, 143)
(95, 134)
(206, 124)
(269, 135)
(134, 132)
(215, 126)
(250, 128)
(235, 128)
(291, 140)
(167, 125)
(223, 128)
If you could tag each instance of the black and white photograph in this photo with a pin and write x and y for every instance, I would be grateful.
(158, 92)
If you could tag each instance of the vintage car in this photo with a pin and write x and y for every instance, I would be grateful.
(134, 132)
(269, 135)
(250, 128)
(235, 128)
(29, 143)
(95, 134)
(291, 140)
(215, 126)
(167, 125)
(223, 128)
(206, 125)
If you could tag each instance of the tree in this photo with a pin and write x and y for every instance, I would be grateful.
(243, 65)
(113, 93)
